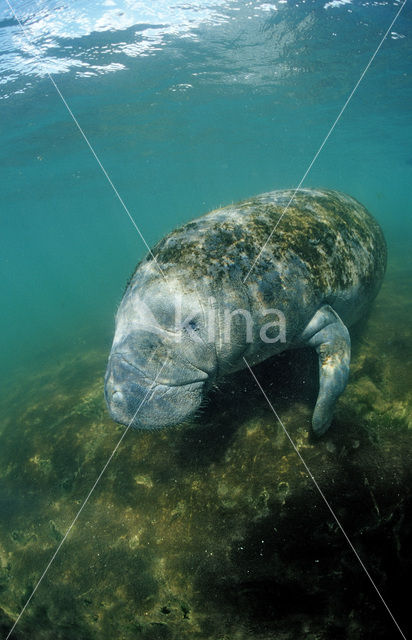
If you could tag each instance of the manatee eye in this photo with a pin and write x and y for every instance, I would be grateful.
(193, 325)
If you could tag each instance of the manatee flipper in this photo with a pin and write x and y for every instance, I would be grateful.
(330, 337)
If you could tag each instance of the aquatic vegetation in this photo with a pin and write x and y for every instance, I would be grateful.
(213, 529)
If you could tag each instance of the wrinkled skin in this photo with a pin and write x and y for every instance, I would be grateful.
(320, 270)
(165, 356)
(152, 357)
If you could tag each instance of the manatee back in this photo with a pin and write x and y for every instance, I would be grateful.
(325, 247)
(328, 248)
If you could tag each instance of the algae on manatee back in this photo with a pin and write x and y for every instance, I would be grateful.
(180, 329)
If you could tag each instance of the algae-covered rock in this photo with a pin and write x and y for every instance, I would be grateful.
(213, 530)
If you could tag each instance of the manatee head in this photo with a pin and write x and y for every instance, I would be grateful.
(161, 363)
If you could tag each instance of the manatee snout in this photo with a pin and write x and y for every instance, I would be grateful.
(139, 401)
(123, 389)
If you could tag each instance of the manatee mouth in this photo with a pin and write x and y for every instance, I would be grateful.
(200, 375)
(135, 399)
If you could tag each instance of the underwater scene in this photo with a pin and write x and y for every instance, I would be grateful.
(120, 121)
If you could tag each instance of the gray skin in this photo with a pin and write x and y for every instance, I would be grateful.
(321, 268)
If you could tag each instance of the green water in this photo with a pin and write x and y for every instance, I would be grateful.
(235, 103)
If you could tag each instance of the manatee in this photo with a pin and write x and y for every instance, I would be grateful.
(235, 287)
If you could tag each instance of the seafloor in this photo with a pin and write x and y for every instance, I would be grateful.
(214, 531)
